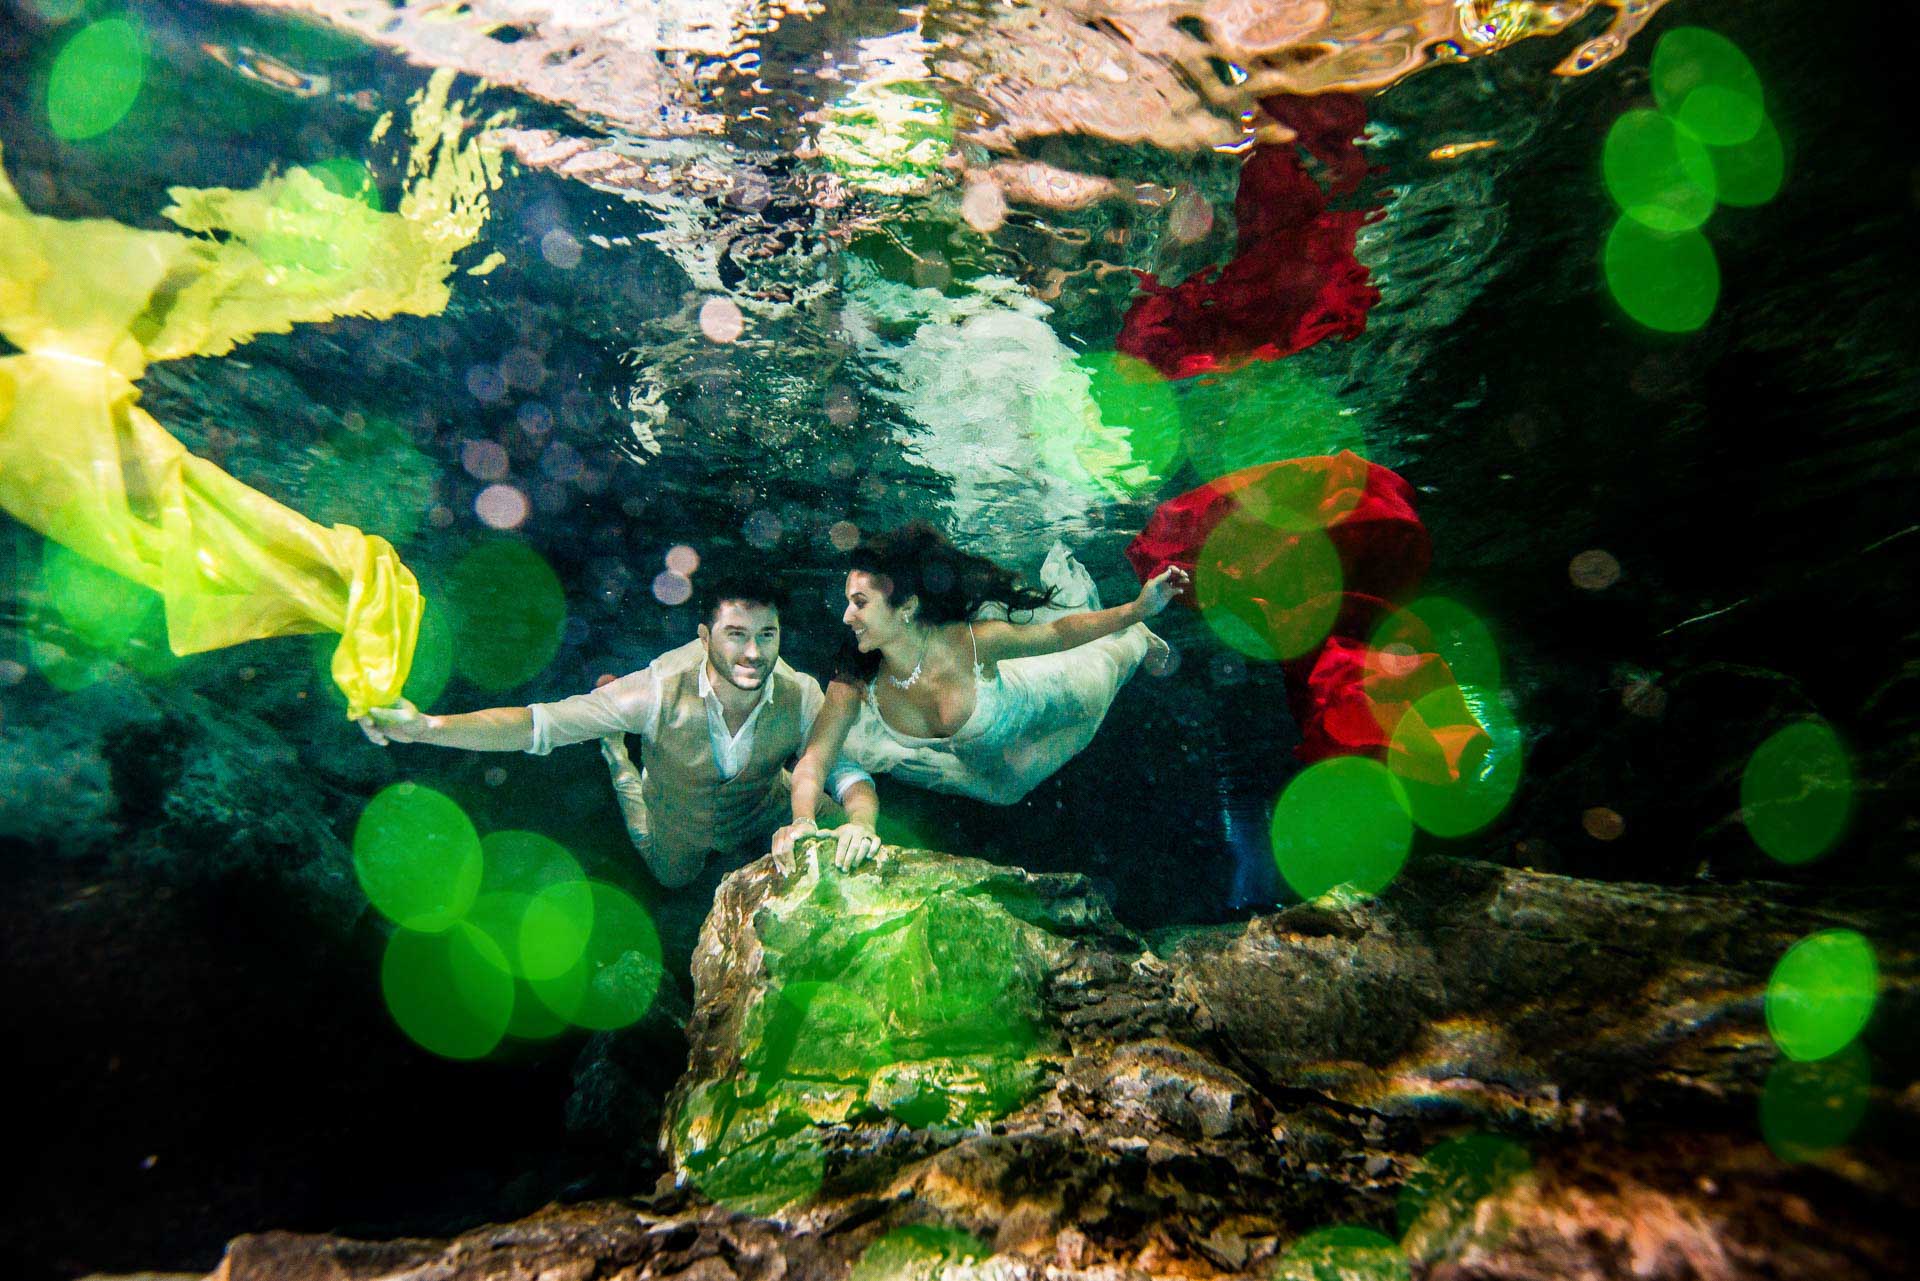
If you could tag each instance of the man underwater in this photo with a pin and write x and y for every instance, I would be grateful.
(718, 720)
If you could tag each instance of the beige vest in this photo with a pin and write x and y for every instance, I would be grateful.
(691, 809)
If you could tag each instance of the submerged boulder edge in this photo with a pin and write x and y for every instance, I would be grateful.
(1208, 1102)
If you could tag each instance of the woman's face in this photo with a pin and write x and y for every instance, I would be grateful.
(874, 620)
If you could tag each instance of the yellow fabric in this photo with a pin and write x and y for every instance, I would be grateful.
(91, 303)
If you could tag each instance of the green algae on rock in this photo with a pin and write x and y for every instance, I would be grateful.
(907, 999)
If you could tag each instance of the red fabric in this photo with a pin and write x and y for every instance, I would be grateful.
(1347, 698)
(1293, 279)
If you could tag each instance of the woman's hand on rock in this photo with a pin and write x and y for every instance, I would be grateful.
(854, 844)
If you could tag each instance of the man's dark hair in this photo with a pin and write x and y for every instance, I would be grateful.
(738, 583)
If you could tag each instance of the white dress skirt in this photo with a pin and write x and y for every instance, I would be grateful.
(1027, 722)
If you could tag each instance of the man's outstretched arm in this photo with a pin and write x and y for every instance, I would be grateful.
(496, 729)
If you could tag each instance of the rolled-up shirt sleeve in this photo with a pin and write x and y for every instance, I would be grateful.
(630, 705)
(844, 773)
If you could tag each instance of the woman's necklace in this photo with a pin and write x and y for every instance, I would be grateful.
(913, 675)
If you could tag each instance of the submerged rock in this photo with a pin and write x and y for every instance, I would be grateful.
(945, 1068)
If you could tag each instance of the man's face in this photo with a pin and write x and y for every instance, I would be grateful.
(742, 642)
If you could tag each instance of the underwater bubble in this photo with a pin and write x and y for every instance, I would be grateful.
(670, 588)
(618, 974)
(523, 369)
(1268, 592)
(494, 777)
(918, 1252)
(1457, 754)
(1707, 86)
(1345, 1253)
(1796, 792)
(95, 78)
(842, 408)
(1457, 1174)
(1341, 822)
(501, 507)
(1822, 994)
(485, 460)
(508, 610)
(682, 560)
(1438, 625)
(561, 248)
(417, 856)
(1657, 173)
(844, 535)
(721, 320)
(12, 672)
(1811, 1106)
(1189, 217)
(448, 991)
(1668, 282)
(1593, 570)
(533, 418)
(1750, 172)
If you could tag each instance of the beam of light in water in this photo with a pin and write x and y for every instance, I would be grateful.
(95, 78)
(1822, 993)
(418, 857)
(1342, 821)
(1796, 792)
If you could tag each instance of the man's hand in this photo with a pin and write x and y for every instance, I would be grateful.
(401, 723)
(854, 844)
(783, 842)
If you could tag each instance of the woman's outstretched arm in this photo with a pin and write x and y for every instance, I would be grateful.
(999, 640)
(824, 744)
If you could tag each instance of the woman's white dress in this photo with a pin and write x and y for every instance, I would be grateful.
(1027, 722)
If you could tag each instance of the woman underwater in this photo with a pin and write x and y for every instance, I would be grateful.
(958, 679)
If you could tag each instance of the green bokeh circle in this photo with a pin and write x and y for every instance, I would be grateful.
(1344, 1253)
(1456, 1174)
(1822, 994)
(1658, 174)
(1797, 792)
(1341, 822)
(1267, 591)
(1750, 172)
(1666, 282)
(95, 79)
(614, 982)
(1263, 412)
(1485, 785)
(1437, 625)
(449, 991)
(103, 609)
(507, 611)
(552, 902)
(1809, 1107)
(1707, 86)
(417, 857)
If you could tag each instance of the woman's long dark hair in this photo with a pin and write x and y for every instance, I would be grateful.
(919, 560)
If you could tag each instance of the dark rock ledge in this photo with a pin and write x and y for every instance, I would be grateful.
(949, 1068)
